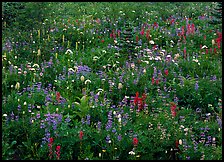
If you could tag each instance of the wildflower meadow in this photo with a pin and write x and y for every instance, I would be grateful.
(111, 81)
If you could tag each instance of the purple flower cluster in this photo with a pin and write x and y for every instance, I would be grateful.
(50, 124)
(83, 70)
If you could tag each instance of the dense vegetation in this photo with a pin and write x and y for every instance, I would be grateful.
(111, 80)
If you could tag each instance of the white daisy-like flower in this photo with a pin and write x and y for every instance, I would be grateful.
(68, 51)
(70, 69)
(131, 153)
(151, 42)
(203, 47)
(87, 81)
(95, 58)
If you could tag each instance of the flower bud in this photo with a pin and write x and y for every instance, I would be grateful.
(120, 85)
(180, 142)
(213, 42)
(82, 78)
(17, 86)
(39, 52)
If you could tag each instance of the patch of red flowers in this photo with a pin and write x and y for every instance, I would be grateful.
(140, 102)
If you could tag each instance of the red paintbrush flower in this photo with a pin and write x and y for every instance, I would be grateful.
(81, 134)
(136, 100)
(173, 107)
(58, 96)
(137, 38)
(166, 72)
(153, 80)
(135, 141)
(51, 140)
(58, 149)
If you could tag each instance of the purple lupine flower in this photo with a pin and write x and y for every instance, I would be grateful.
(108, 138)
(98, 125)
(16, 117)
(198, 110)
(155, 72)
(196, 85)
(12, 116)
(54, 122)
(29, 107)
(109, 124)
(219, 121)
(42, 125)
(67, 119)
(38, 116)
(113, 130)
(83, 121)
(119, 137)
(19, 107)
(88, 119)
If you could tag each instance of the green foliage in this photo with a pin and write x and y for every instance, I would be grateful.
(65, 78)
(217, 14)
(25, 15)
